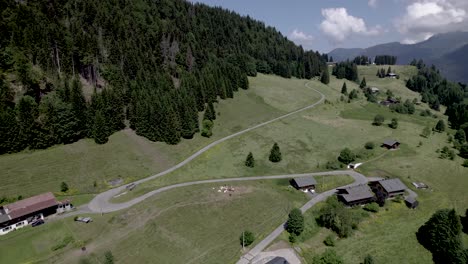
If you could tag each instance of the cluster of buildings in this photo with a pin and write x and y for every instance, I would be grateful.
(24, 212)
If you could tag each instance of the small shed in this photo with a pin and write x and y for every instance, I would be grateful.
(374, 90)
(411, 202)
(391, 144)
(420, 185)
(392, 75)
(304, 183)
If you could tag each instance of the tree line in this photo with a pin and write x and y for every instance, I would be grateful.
(156, 64)
(385, 60)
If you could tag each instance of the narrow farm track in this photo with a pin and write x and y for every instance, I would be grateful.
(101, 203)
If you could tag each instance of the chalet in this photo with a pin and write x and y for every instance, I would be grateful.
(391, 144)
(304, 183)
(390, 187)
(389, 101)
(411, 202)
(392, 75)
(21, 213)
(355, 195)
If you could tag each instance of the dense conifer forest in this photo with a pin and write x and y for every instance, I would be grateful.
(153, 65)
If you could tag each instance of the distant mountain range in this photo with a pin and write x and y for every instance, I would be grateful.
(448, 51)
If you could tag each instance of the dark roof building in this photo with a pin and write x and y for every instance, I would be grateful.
(278, 260)
(303, 183)
(360, 194)
(392, 187)
(22, 212)
(391, 144)
(411, 202)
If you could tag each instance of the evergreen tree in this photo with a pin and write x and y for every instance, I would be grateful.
(363, 83)
(210, 113)
(378, 120)
(100, 130)
(207, 127)
(441, 235)
(64, 187)
(460, 136)
(394, 123)
(275, 154)
(295, 223)
(250, 161)
(246, 238)
(344, 89)
(440, 126)
(346, 156)
(325, 79)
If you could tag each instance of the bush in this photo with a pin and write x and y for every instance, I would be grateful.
(372, 207)
(329, 241)
(394, 123)
(328, 257)
(398, 199)
(346, 156)
(440, 126)
(207, 127)
(369, 145)
(247, 238)
(333, 165)
(378, 120)
(64, 187)
(292, 238)
(464, 151)
(109, 258)
(465, 163)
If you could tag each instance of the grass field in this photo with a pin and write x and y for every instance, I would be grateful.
(130, 157)
(188, 225)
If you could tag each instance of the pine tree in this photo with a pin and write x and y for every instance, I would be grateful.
(275, 153)
(210, 113)
(244, 81)
(394, 123)
(363, 83)
(344, 89)
(100, 130)
(295, 223)
(250, 161)
(325, 79)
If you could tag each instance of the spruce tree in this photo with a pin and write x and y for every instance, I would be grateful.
(250, 161)
(275, 153)
(325, 79)
(440, 126)
(363, 83)
(210, 113)
(295, 223)
(394, 123)
(344, 89)
(244, 81)
(100, 130)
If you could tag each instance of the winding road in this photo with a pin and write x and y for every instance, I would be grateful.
(101, 203)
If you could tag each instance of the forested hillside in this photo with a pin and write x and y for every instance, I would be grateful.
(154, 63)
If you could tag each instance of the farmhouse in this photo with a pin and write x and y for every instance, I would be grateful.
(304, 183)
(355, 195)
(391, 144)
(390, 187)
(21, 213)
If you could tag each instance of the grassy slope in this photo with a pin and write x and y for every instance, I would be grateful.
(130, 157)
(195, 224)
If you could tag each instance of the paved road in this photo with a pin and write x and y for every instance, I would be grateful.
(249, 256)
(101, 203)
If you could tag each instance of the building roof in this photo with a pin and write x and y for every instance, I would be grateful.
(390, 142)
(393, 185)
(374, 88)
(357, 193)
(30, 205)
(278, 260)
(305, 181)
(410, 199)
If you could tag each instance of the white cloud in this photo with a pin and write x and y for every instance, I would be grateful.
(301, 38)
(372, 3)
(425, 18)
(339, 25)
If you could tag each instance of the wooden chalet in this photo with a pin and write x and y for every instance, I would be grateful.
(390, 187)
(391, 144)
(355, 195)
(304, 183)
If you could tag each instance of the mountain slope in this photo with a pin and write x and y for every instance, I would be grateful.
(436, 49)
(155, 63)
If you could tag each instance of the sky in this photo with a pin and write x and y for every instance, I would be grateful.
(324, 25)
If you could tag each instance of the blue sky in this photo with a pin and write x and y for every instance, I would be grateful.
(327, 24)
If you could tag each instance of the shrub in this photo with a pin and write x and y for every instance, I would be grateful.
(440, 126)
(369, 145)
(207, 127)
(247, 238)
(328, 257)
(329, 241)
(372, 207)
(394, 123)
(346, 156)
(292, 238)
(465, 163)
(378, 120)
(63, 187)
(109, 258)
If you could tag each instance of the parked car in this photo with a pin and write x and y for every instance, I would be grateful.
(37, 223)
